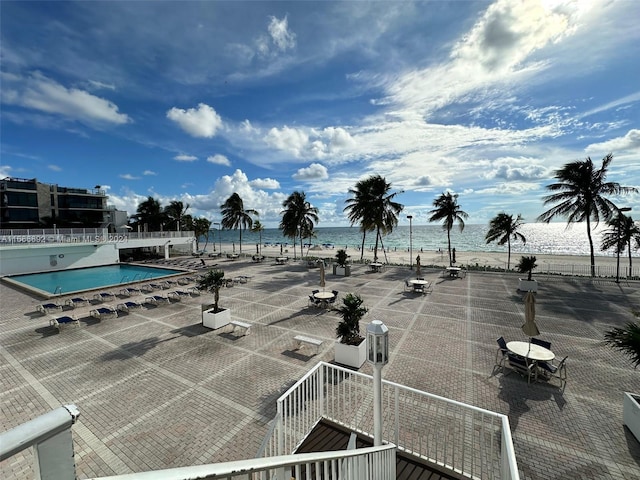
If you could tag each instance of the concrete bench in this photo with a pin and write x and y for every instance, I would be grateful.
(314, 342)
(244, 328)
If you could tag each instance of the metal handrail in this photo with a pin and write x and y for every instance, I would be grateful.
(459, 437)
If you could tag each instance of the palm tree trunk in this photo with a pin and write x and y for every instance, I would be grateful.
(629, 248)
(240, 238)
(375, 250)
(593, 257)
(509, 253)
(449, 244)
(362, 249)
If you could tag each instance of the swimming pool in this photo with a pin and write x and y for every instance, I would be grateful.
(64, 282)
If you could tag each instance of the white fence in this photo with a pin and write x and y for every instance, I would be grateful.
(470, 441)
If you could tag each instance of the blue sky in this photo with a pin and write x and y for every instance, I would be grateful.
(193, 101)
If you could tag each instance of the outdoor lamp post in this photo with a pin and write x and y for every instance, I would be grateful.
(219, 235)
(378, 356)
(410, 242)
(618, 226)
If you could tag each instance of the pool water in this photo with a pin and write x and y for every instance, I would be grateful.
(69, 281)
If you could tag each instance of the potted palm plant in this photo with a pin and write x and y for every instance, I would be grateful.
(526, 265)
(350, 349)
(212, 315)
(341, 267)
(627, 340)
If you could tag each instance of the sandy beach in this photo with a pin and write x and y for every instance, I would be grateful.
(482, 259)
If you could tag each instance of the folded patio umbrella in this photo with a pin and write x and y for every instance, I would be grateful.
(418, 266)
(322, 282)
(530, 328)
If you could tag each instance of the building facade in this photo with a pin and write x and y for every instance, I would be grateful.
(28, 204)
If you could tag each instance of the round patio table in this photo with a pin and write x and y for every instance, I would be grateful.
(531, 351)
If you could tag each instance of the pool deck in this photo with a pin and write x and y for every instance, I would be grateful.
(157, 390)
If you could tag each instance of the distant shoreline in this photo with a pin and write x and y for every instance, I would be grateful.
(482, 259)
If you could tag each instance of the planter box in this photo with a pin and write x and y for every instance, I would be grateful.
(351, 355)
(342, 271)
(216, 320)
(631, 413)
(528, 285)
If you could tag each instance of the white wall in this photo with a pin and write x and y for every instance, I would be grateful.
(41, 258)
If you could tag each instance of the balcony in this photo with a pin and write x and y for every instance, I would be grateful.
(450, 438)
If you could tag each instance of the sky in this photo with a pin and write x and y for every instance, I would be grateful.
(193, 101)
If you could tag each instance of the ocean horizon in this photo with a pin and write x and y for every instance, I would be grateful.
(542, 238)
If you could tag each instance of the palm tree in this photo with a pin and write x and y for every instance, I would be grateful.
(175, 212)
(150, 213)
(621, 233)
(580, 196)
(235, 216)
(351, 311)
(503, 228)
(448, 210)
(213, 280)
(357, 208)
(526, 265)
(201, 227)
(298, 218)
(258, 228)
(374, 207)
(626, 339)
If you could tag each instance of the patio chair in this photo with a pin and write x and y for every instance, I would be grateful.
(501, 354)
(523, 366)
(408, 286)
(76, 302)
(313, 301)
(542, 343)
(193, 291)
(104, 312)
(58, 322)
(46, 308)
(104, 296)
(550, 370)
(178, 295)
(130, 305)
(127, 292)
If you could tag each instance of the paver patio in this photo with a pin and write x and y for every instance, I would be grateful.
(157, 390)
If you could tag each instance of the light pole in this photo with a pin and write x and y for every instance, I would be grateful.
(219, 235)
(410, 242)
(618, 226)
(378, 356)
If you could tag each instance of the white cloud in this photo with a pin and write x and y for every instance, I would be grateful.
(629, 142)
(185, 158)
(201, 122)
(128, 176)
(280, 34)
(218, 159)
(149, 172)
(55, 168)
(5, 171)
(101, 85)
(291, 140)
(265, 183)
(40, 93)
(315, 171)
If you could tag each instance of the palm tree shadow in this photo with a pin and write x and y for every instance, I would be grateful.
(134, 349)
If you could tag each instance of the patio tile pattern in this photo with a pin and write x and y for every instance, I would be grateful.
(157, 390)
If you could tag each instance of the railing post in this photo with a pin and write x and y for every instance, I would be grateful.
(320, 392)
(50, 435)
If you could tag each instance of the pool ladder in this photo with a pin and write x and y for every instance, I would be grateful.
(58, 290)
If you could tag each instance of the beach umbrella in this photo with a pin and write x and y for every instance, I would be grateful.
(530, 328)
(322, 282)
(418, 266)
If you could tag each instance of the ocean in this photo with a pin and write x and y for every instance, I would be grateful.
(542, 238)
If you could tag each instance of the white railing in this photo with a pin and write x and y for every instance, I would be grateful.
(50, 436)
(462, 438)
(80, 235)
